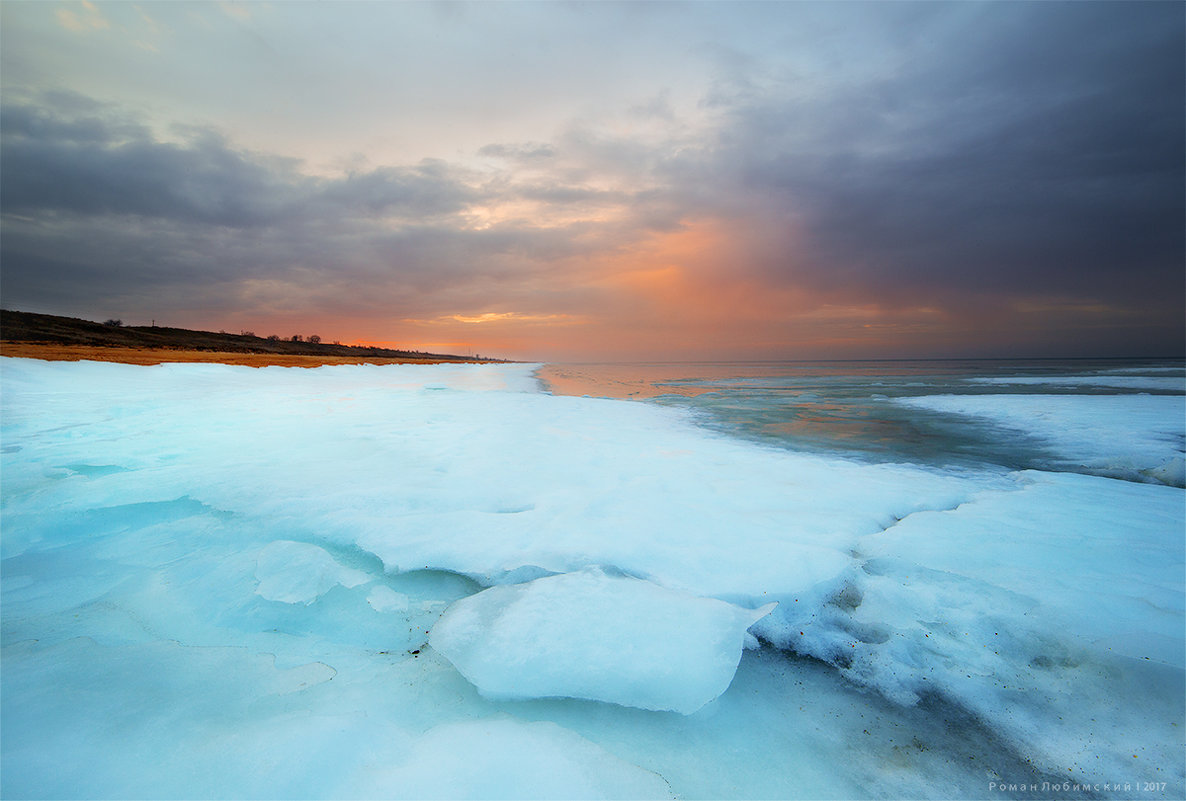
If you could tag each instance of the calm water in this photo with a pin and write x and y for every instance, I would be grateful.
(848, 407)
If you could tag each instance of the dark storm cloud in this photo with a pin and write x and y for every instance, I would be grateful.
(94, 200)
(1038, 149)
(54, 161)
(57, 162)
(424, 190)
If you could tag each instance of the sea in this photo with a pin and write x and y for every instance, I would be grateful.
(870, 410)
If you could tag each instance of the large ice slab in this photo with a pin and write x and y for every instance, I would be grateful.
(596, 636)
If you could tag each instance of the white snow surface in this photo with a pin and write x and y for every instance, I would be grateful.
(225, 581)
(1017, 601)
(1136, 437)
(602, 637)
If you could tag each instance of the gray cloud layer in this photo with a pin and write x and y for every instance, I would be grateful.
(1043, 153)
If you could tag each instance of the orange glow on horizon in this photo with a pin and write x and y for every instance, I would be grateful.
(680, 294)
(707, 290)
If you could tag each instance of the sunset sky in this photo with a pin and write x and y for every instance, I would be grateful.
(618, 181)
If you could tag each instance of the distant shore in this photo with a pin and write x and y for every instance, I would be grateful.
(43, 336)
(148, 356)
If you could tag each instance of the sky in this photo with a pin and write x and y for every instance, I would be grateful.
(605, 181)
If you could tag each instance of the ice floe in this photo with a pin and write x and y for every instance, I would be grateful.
(596, 636)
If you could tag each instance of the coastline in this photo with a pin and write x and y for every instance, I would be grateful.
(152, 356)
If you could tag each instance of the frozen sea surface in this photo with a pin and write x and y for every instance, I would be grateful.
(1136, 437)
(1111, 417)
(417, 582)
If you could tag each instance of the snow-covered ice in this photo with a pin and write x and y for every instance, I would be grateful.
(597, 636)
(1126, 436)
(1032, 606)
(226, 581)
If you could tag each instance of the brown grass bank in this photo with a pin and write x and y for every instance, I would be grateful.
(74, 353)
(54, 338)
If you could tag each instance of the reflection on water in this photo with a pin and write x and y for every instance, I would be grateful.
(847, 407)
(630, 381)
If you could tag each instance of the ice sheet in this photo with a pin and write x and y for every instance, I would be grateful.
(227, 577)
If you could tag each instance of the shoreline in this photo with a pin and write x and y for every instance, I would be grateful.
(152, 356)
